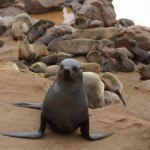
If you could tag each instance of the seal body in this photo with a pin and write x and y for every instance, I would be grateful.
(65, 106)
(94, 89)
(30, 52)
(38, 29)
(139, 54)
(97, 33)
(123, 63)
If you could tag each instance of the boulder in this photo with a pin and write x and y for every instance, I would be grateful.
(42, 6)
(139, 33)
(101, 10)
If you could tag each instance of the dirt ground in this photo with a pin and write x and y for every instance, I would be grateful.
(131, 124)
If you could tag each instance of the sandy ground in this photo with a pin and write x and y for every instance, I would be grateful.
(131, 124)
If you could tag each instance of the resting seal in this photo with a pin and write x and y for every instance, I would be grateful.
(65, 105)
(94, 89)
(113, 84)
(30, 52)
(145, 72)
(97, 33)
(139, 54)
(38, 29)
(123, 63)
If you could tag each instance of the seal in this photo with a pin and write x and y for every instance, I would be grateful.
(38, 67)
(76, 47)
(3, 29)
(20, 25)
(46, 39)
(97, 33)
(65, 105)
(1, 43)
(38, 29)
(30, 52)
(138, 54)
(54, 58)
(145, 72)
(113, 84)
(91, 67)
(124, 23)
(123, 63)
(94, 89)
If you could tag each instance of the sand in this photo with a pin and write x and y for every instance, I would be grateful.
(131, 124)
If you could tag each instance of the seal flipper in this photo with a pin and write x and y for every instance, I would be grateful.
(94, 136)
(29, 105)
(29, 135)
(121, 97)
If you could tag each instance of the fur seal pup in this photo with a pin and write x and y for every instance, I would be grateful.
(54, 58)
(65, 105)
(145, 72)
(139, 54)
(96, 55)
(3, 29)
(123, 64)
(95, 89)
(97, 33)
(113, 84)
(21, 25)
(38, 67)
(30, 52)
(76, 47)
(38, 29)
(124, 23)
(91, 67)
(53, 36)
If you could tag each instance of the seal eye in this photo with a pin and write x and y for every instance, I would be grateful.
(75, 69)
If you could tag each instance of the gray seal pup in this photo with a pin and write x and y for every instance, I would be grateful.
(113, 84)
(38, 29)
(65, 106)
(139, 54)
(20, 25)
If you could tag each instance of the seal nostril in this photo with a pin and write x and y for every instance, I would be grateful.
(67, 72)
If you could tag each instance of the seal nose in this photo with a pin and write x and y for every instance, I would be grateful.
(67, 72)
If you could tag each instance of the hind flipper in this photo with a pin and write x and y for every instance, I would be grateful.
(29, 105)
(121, 97)
(95, 136)
(29, 135)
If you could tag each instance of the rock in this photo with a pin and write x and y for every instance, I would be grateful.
(111, 98)
(7, 14)
(144, 85)
(139, 33)
(101, 10)
(38, 6)
(6, 3)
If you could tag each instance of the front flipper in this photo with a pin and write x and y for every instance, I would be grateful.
(29, 105)
(29, 135)
(94, 136)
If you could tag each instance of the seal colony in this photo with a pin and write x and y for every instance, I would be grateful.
(65, 105)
